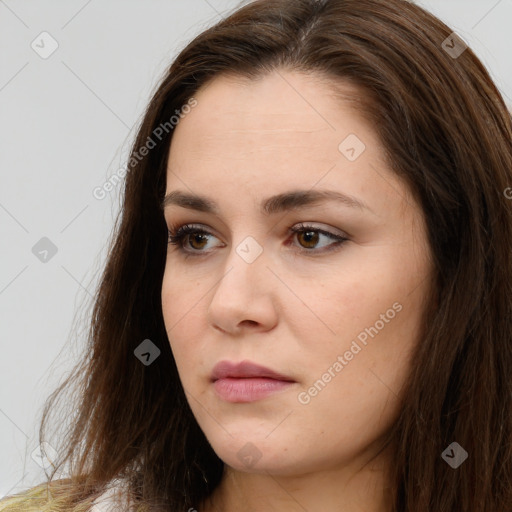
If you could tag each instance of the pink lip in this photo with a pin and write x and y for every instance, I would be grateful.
(247, 381)
(244, 370)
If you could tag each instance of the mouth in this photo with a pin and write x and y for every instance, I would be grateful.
(247, 381)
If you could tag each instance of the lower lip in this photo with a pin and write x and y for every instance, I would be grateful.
(248, 390)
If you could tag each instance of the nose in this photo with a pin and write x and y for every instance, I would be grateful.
(245, 295)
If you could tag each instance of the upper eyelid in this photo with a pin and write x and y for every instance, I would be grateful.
(298, 226)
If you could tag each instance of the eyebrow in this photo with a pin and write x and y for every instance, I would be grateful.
(275, 204)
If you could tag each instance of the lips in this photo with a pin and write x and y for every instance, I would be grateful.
(247, 382)
(245, 370)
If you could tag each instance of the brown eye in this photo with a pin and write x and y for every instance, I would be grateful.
(310, 238)
(192, 240)
(189, 238)
(198, 238)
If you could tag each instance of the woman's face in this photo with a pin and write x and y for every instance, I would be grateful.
(337, 320)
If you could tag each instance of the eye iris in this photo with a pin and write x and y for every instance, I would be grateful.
(197, 236)
(311, 238)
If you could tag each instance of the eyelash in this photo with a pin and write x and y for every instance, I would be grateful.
(176, 236)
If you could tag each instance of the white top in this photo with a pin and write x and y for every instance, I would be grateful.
(105, 502)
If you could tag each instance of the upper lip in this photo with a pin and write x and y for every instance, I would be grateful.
(245, 369)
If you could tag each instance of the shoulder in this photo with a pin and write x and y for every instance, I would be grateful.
(37, 499)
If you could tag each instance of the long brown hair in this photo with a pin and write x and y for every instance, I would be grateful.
(448, 134)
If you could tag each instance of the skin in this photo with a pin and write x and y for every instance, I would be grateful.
(292, 310)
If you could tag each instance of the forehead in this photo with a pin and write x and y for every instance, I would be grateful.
(286, 117)
(284, 130)
(273, 105)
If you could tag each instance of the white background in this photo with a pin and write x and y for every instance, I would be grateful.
(65, 127)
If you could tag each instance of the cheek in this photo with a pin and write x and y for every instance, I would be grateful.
(180, 308)
(327, 317)
(182, 296)
(371, 320)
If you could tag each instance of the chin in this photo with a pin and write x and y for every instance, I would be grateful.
(261, 455)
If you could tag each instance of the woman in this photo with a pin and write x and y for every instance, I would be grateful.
(307, 302)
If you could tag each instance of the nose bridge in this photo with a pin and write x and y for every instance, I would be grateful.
(245, 265)
(244, 291)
